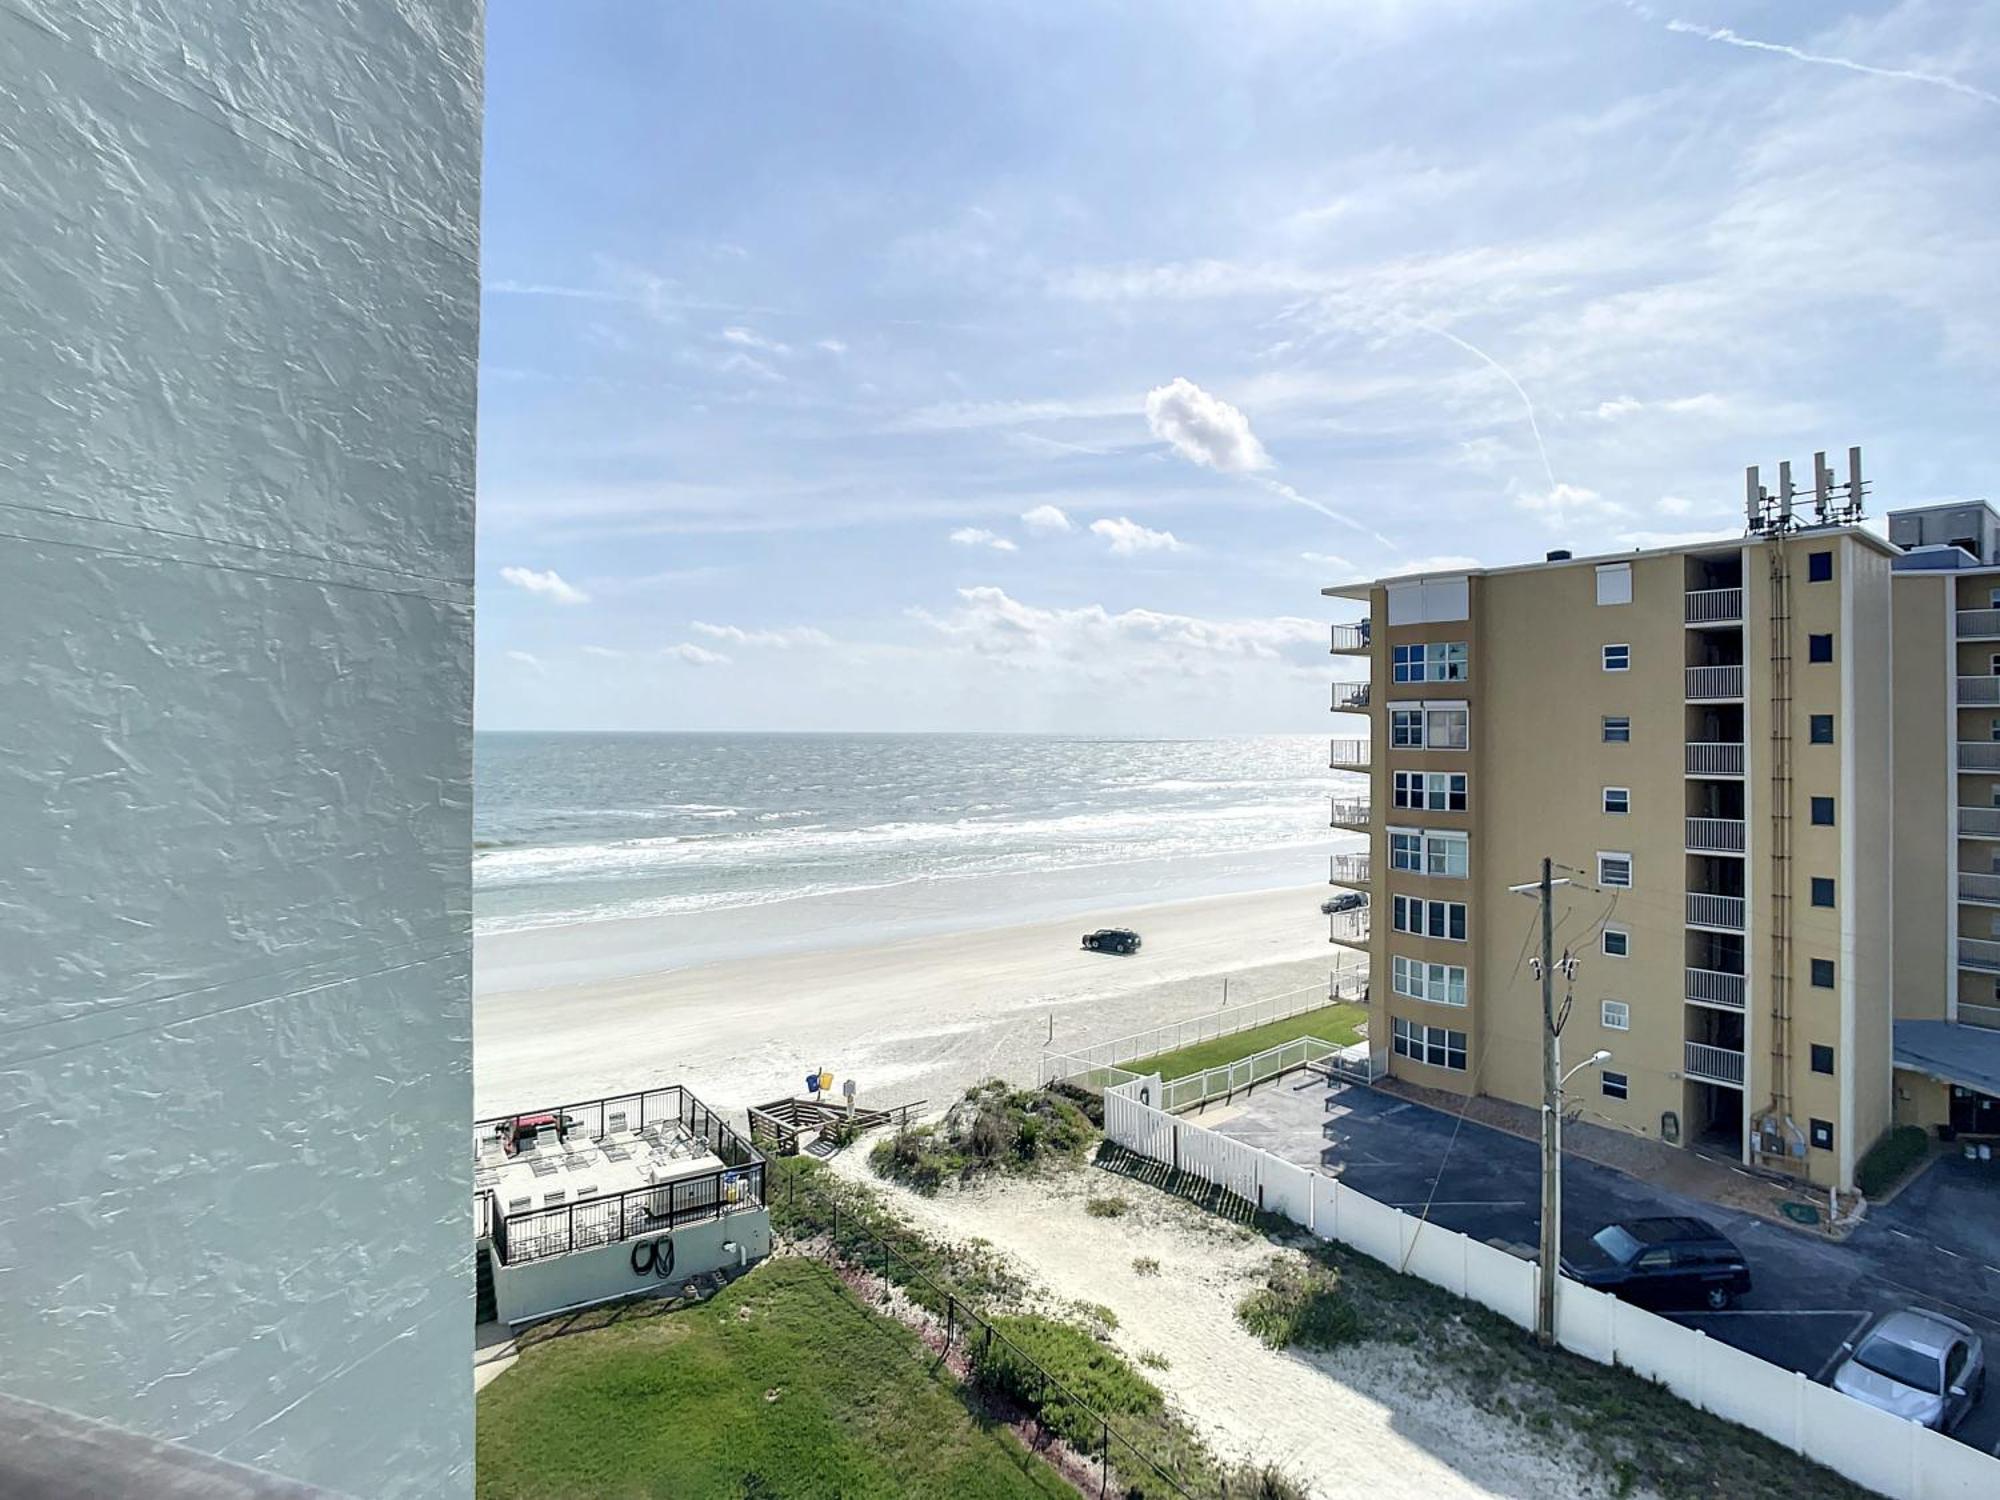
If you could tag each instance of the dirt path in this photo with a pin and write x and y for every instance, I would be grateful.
(1360, 1422)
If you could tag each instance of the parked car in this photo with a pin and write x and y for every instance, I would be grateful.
(1345, 901)
(1921, 1366)
(1112, 940)
(1663, 1261)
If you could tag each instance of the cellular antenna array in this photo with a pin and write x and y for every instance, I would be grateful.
(1834, 504)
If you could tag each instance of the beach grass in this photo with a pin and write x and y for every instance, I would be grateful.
(782, 1385)
(1330, 1023)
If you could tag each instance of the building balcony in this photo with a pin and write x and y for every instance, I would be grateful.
(1350, 697)
(1979, 690)
(1714, 684)
(1979, 624)
(1713, 1064)
(1979, 954)
(1350, 812)
(1350, 755)
(1348, 869)
(1979, 822)
(1348, 928)
(1715, 607)
(1715, 987)
(1716, 913)
(1984, 890)
(1351, 640)
(1979, 755)
(1715, 835)
(1715, 758)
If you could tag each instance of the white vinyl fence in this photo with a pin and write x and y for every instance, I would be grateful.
(1896, 1458)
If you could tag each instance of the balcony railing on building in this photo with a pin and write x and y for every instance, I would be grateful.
(1714, 1064)
(1716, 987)
(1349, 639)
(1709, 684)
(1979, 755)
(1979, 624)
(1979, 822)
(1980, 954)
(1349, 812)
(1349, 928)
(1350, 697)
(1979, 690)
(1985, 889)
(1715, 607)
(1347, 869)
(1715, 835)
(1724, 913)
(1350, 755)
(1714, 758)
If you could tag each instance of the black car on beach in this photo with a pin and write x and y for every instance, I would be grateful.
(1662, 1261)
(1111, 940)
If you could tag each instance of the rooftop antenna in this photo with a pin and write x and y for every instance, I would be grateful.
(1785, 493)
(1822, 488)
(1855, 488)
(1753, 501)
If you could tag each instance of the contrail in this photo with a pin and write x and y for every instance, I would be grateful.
(1507, 375)
(1279, 487)
(1909, 75)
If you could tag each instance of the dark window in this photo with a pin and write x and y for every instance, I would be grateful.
(1819, 648)
(1819, 567)
(1822, 812)
(1617, 731)
(1822, 973)
(1822, 891)
(1616, 1086)
(1822, 729)
(1822, 1058)
(1822, 1134)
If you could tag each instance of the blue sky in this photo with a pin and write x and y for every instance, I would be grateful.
(1032, 366)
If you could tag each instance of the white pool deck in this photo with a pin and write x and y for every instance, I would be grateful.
(549, 1174)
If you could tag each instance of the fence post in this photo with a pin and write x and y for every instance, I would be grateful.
(1104, 1465)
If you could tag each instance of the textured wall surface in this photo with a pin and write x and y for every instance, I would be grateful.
(238, 279)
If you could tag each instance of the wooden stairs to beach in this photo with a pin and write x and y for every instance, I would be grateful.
(780, 1126)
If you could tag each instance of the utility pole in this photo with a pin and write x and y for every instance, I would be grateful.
(1545, 1307)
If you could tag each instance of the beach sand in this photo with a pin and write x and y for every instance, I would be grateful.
(917, 1017)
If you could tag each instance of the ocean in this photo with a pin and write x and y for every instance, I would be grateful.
(579, 827)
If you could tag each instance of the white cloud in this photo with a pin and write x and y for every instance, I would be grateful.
(832, 346)
(1675, 505)
(606, 652)
(1705, 404)
(1565, 504)
(1328, 560)
(1204, 429)
(695, 656)
(783, 640)
(532, 663)
(1048, 518)
(549, 584)
(1127, 537)
(750, 338)
(1907, 75)
(979, 536)
(1444, 562)
(1647, 540)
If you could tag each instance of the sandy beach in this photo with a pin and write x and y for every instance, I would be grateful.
(917, 1017)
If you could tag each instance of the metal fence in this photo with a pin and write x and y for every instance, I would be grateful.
(1177, 1094)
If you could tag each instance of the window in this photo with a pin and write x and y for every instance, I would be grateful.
(1819, 567)
(1822, 973)
(1406, 851)
(1822, 1134)
(1614, 583)
(1444, 728)
(1616, 1085)
(1617, 658)
(1614, 869)
(1446, 854)
(1819, 648)
(1616, 1015)
(1822, 1058)
(1428, 1044)
(1438, 919)
(1617, 942)
(1617, 730)
(1822, 891)
(1822, 812)
(1440, 984)
(1996, 729)
(1993, 665)
(1821, 729)
(1428, 791)
(1406, 728)
(1617, 799)
(1433, 661)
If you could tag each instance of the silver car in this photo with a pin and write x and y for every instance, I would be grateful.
(1921, 1366)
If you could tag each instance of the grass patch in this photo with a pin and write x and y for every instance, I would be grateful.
(1095, 1375)
(1330, 1023)
(1145, 1265)
(1112, 1207)
(782, 1387)
(1300, 1304)
(1889, 1158)
(994, 1128)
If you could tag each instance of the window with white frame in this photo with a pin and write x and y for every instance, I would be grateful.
(1428, 791)
(1617, 942)
(1617, 1015)
(1436, 1045)
(1617, 729)
(1440, 984)
(1445, 728)
(1614, 583)
(1617, 658)
(1438, 919)
(1617, 800)
(1447, 854)
(1616, 1085)
(1432, 661)
(1406, 728)
(1406, 850)
(1614, 869)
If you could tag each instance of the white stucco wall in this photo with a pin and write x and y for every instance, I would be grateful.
(238, 280)
(539, 1287)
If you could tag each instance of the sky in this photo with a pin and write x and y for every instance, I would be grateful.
(1007, 366)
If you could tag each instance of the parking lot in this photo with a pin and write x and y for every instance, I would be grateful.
(1936, 1246)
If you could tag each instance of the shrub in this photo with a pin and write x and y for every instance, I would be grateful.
(1889, 1158)
(1105, 1208)
(1299, 1304)
(993, 1128)
(1145, 1265)
(1097, 1376)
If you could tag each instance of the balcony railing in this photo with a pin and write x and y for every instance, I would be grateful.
(1350, 697)
(1715, 835)
(1984, 889)
(1722, 912)
(1974, 624)
(1347, 869)
(1714, 606)
(1349, 812)
(1979, 689)
(1706, 684)
(1349, 928)
(1979, 822)
(1349, 755)
(1980, 954)
(1715, 987)
(1979, 755)
(1714, 1064)
(1349, 639)
(1714, 758)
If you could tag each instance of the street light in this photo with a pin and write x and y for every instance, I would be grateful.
(1545, 1311)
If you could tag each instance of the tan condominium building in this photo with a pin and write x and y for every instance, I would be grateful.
(1702, 738)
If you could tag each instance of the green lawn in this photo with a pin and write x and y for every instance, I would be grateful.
(674, 1402)
(1330, 1023)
